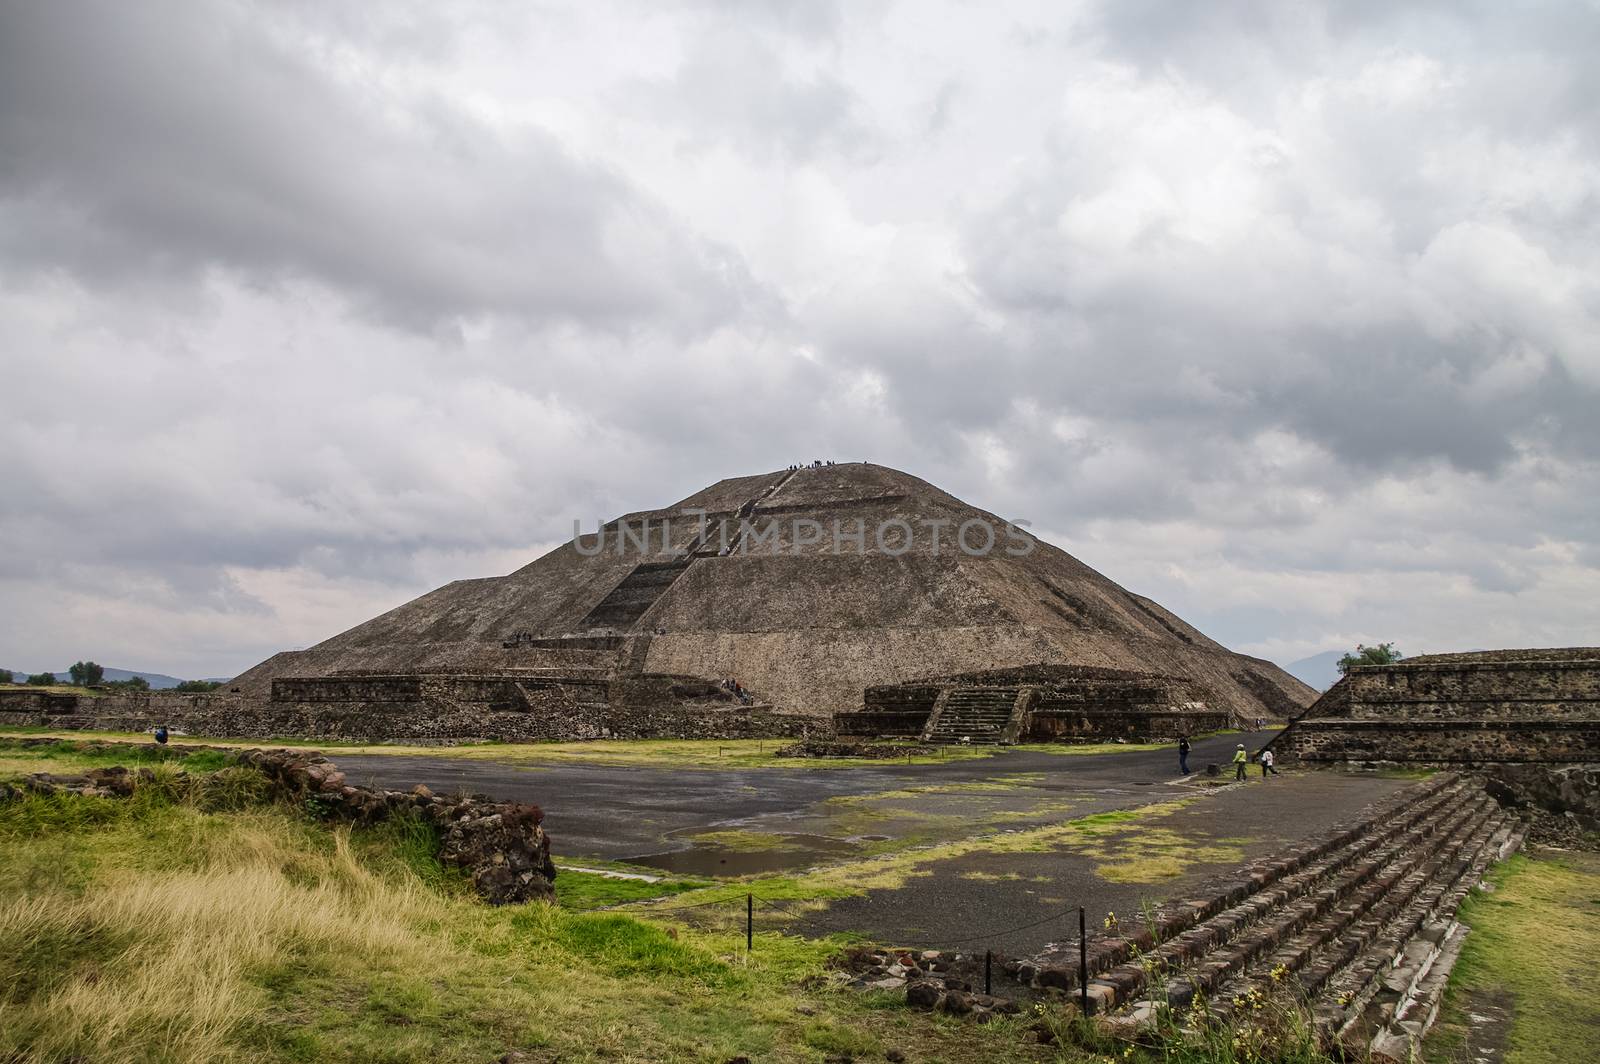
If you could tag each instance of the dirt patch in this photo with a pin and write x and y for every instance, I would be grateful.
(1478, 1031)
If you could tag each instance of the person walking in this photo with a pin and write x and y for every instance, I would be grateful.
(1183, 755)
(1240, 759)
(1266, 764)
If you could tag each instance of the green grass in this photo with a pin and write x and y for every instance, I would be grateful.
(155, 929)
(56, 689)
(1533, 939)
(662, 753)
(1128, 846)
(587, 890)
(70, 756)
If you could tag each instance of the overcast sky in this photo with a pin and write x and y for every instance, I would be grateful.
(1285, 315)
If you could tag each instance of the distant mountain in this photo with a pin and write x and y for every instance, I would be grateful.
(1319, 670)
(157, 681)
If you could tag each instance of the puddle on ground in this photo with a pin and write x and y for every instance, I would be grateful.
(713, 859)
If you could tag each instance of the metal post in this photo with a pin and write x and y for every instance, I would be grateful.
(1083, 959)
(749, 922)
(988, 971)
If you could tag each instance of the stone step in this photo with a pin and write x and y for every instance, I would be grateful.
(1393, 1030)
(1356, 926)
(1057, 965)
(1292, 933)
(974, 715)
(1363, 994)
(1191, 946)
(1324, 946)
(1385, 931)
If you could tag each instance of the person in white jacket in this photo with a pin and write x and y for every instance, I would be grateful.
(1266, 764)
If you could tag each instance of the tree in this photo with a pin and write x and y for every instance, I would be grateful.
(1382, 654)
(6, 676)
(132, 683)
(86, 674)
(42, 679)
(197, 686)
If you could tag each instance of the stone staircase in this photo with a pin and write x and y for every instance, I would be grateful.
(1354, 921)
(972, 715)
(634, 596)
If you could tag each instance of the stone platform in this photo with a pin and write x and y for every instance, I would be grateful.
(1488, 707)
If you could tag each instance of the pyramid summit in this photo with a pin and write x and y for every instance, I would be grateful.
(808, 585)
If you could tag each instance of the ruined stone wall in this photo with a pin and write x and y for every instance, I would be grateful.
(1509, 690)
(890, 710)
(549, 716)
(1072, 702)
(501, 846)
(1484, 708)
(1142, 725)
(493, 689)
(1468, 742)
(35, 701)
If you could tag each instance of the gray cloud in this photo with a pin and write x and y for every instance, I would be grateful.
(1284, 316)
(146, 142)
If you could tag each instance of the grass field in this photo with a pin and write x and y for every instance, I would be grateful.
(662, 753)
(202, 924)
(1531, 952)
(176, 929)
(151, 930)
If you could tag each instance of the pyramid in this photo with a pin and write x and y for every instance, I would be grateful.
(807, 585)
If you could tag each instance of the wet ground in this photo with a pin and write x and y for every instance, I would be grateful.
(646, 814)
(1151, 834)
(1016, 901)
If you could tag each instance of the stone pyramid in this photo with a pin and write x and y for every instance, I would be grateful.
(806, 585)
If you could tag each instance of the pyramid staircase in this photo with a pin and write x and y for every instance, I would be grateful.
(1356, 921)
(972, 715)
(633, 597)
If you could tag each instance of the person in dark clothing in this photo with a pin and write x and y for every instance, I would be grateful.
(161, 735)
(1183, 755)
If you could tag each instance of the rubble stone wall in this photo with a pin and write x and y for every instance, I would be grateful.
(1071, 702)
(1484, 708)
(501, 846)
(549, 717)
(1485, 690)
(1045, 725)
(1471, 742)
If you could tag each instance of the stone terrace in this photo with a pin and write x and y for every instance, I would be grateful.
(1481, 708)
(1356, 919)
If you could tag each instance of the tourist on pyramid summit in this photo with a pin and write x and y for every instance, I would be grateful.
(1266, 764)
(1240, 760)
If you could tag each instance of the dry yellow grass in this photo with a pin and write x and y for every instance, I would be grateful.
(167, 969)
(141, 930)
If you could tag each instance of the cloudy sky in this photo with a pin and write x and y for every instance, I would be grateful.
(1286, 315)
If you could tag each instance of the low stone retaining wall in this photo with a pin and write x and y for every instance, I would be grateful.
(502, 846)
(1435, 742)
(1482, 708)
(1562, 802)
(1144, 725)
(546, 716)
(1068, 702)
